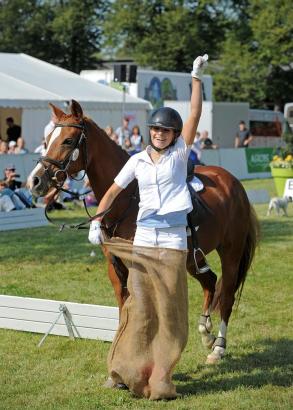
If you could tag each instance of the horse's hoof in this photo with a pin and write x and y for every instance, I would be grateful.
(110, 384)
(121, 386)
(216, 355)
(213, 359)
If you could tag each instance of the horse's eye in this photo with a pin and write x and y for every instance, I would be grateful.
(68, 141)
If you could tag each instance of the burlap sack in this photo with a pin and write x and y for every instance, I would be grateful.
(153, 326)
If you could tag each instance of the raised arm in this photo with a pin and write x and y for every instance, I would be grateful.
(190, 126)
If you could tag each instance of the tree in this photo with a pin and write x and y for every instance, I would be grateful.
(63, 32)
(165, 35)
(258, 68)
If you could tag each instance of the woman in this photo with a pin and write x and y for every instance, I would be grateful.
(136, 140)
(153, 326)
(165, 158)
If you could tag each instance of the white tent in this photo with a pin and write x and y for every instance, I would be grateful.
(27, 85)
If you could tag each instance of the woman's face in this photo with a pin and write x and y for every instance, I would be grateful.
(161, 137)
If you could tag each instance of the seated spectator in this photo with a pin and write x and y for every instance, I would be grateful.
(20, 149)
(11, 147)
(12, 182)
(3, 147)
(13, 130)
(206, 142)
(9, 200)
(127, 145)
(136, 140)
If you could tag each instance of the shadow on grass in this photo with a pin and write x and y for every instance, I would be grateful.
(275, 230)
(272, 366)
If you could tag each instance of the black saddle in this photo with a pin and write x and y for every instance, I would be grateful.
(200, 210)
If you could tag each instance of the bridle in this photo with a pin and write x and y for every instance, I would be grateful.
(72, 156)
(63, 166)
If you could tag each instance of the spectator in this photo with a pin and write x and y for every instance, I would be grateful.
(243, 137)
(41, 149)
(127, 146)
(111, 134)
(123, 131)
(9, 200)
(51, 125)
(136, 140)
(20, 146)
(3, 147)
(206, 142)
(11, 147)
(12, 182)
(13, 130)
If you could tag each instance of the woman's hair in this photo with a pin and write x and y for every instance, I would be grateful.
(137, 128)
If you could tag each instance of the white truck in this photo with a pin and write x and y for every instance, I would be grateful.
(288, 114)
(221, 120)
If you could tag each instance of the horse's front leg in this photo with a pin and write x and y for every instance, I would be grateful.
(208, 282)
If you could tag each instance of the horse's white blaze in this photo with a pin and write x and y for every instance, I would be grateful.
(55, 134)
(32, 174)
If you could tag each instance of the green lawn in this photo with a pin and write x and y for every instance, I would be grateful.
(257, 372)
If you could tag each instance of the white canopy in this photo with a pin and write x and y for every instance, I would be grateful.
(27, 85)
(26, 82)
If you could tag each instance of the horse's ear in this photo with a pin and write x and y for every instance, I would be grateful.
(56, 111)
(76, 110)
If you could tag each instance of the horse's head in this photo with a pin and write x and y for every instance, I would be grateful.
(65, 153)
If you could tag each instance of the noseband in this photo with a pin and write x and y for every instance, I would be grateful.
(71, 156)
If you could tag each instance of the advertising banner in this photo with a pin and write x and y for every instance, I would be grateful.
(258, 159)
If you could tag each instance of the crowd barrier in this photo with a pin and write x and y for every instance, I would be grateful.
(243, 163)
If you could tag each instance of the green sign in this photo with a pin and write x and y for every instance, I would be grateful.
(258, 159)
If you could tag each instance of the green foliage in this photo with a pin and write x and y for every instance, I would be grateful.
(62, 32)
(257, 66)
(165, 35)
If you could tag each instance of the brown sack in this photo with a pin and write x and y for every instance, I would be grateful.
(153, 327)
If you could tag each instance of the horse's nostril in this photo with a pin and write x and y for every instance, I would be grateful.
(36, 181)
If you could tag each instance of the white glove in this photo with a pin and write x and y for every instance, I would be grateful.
(199, 65)
(95, 233)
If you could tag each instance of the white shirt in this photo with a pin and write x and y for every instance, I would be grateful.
(162, 185)
(122, 134)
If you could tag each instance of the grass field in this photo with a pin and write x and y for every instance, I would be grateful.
(257, 372)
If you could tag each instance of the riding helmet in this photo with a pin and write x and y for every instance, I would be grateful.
(166, 117)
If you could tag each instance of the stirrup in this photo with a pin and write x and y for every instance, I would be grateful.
(205, 268)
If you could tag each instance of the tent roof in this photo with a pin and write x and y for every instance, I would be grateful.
(26, 81)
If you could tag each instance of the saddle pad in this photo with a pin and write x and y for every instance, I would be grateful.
(196, 184)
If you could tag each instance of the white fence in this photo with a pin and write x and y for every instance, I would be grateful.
(26, 218)
(37, 315)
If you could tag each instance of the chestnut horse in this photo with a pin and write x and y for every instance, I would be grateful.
(77, 143)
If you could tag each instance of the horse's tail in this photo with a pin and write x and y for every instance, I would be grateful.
(251, 243)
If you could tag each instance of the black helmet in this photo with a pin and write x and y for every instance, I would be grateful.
(166, 117)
